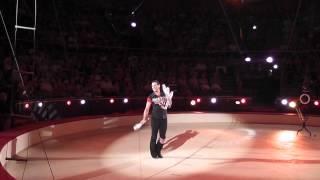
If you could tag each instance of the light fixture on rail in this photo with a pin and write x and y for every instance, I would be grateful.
(284, 102)
(254, 27)
(213, 100)
(26, 105)
(82, 102)
(68, 103)
(247, 59)
(316, 103)
(40, 104)
(198, 100)
(111, 101)
(243, 100)
(133, 24)
(237, 102)
(192, 102)
(292, 104)
(275, 66)
(269, 59)
(125, 100)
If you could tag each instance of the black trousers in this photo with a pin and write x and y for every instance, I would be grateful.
(157, 126)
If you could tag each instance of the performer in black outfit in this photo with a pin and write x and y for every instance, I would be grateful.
(159, 102)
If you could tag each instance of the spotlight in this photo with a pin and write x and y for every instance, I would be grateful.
(243, 100)
(69, 103)
(284, 102)
(133, 24)
(26, 106)
(198, 100)
(82, 101)
(247, 59)
(316, 103)
(111, 100)
(269, 59)
(40, 104)
(286, 137)
(275, 66)
(125, 100)
(213, 100)
(192, 102)
(237, 102)
(292, 104)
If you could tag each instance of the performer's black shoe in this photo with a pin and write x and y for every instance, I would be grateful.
(154, 156)
(158, 149)
(153, 150)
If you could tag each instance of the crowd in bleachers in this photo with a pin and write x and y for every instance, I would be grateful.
(93, 75)
(85, 52)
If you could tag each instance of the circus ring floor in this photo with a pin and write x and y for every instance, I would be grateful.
(199, 145)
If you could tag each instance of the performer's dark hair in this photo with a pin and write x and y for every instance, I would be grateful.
(155, 81)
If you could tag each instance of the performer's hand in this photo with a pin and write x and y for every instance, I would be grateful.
(169, 99)
(169, 95)
(137, 126)
(143, 121)
(166, 90)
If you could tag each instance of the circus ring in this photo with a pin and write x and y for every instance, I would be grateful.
(199, 145)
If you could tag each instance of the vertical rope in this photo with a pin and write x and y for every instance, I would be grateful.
(294, 23)
(230, 26)
(15, 29)
(13, 53)
(140, 4)
(35, 24)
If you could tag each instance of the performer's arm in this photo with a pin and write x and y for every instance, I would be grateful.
(146, 112)
(137, 126)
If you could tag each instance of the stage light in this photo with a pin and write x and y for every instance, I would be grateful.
(111, 100)
(237, 102)
(125, 100)
(213, 100)
(198, 100)
(133, 24)
(254, 27)
(243, 100)
(316, 103)
(27, 105)
(247, 59)
(275, 66)
(269, 59)
(284, 102)
(292, 104)
(192, 102)
(69, 103)
(40, 104)
(82, 101)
